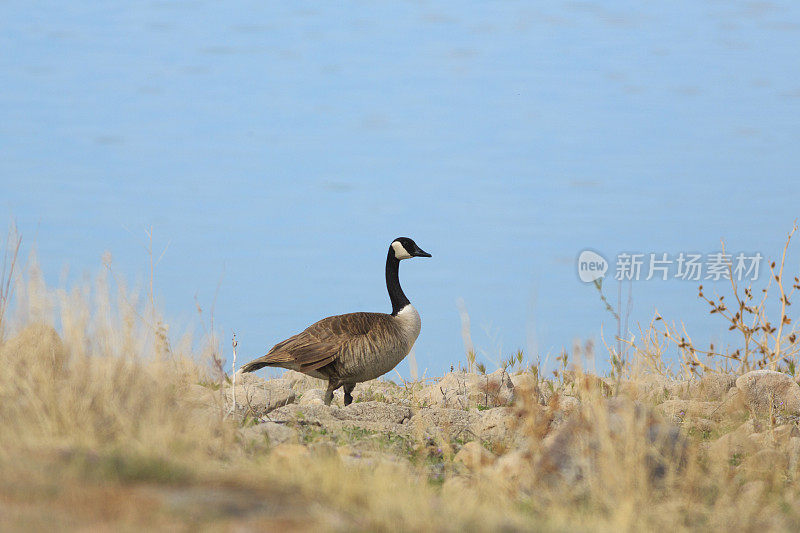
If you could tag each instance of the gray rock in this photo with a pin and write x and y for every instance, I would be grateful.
(524, 380)
(312, 397)
(450, 422)
(494, 390)
(495, 425)
(649, 388)
(767, 391)
(577, 383)
(527, 384)
(450, 391)
(300, 382)
(736, 442)
(561, 407)
(256, 396)
(710, 388)
(461, 390)
(678, 410)
(379, 390)
(370, 416)
(374, 412)
(272, 432)
(308, 414)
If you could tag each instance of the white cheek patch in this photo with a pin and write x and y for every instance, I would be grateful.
(399, 251)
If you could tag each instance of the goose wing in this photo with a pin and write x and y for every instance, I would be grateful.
(323, 342)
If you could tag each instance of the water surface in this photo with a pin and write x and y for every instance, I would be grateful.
(279, 147)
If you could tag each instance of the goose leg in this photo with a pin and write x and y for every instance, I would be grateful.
(348, 388)
(332, 386)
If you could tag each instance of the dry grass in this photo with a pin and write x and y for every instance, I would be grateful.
(102, 427)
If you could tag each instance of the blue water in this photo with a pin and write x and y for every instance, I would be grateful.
(278, 147)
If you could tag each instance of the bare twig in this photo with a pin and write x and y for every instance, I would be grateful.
(235, 343)
(784, 300)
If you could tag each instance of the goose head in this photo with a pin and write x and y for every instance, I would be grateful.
(405, 248)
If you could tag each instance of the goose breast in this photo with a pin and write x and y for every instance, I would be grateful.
(388, 341)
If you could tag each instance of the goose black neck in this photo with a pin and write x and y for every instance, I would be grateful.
(396, 294)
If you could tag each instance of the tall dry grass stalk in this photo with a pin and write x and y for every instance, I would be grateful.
(234, 345)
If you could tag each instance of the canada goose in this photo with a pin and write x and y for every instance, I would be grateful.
(348, 349)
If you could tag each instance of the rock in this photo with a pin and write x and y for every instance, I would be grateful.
(560, 407)
(656, 388)
(712, 387)
(703, 425)
(300, 382)
(578, 383)
(737, 443)
(256, 396)
(272, 432)
(374, 412)
(495, 425)
(525, 381)
(317, 397)
(312, 397)
(734, 401)
(526, 388)
(370, 416)
(379, 390)
(462, 390)
(567, 404)
(679, 410)
(767, 391)
(312, 391)
(304, 414)
(708, 388)
(373, 459)
(451, 391)
(493, 390)
(778, 436)
(474, 456)
(649, 388)
(452, 422)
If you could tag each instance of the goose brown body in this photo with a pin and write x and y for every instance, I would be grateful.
(354, 347)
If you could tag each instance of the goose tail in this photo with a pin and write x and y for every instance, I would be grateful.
(254, 365)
